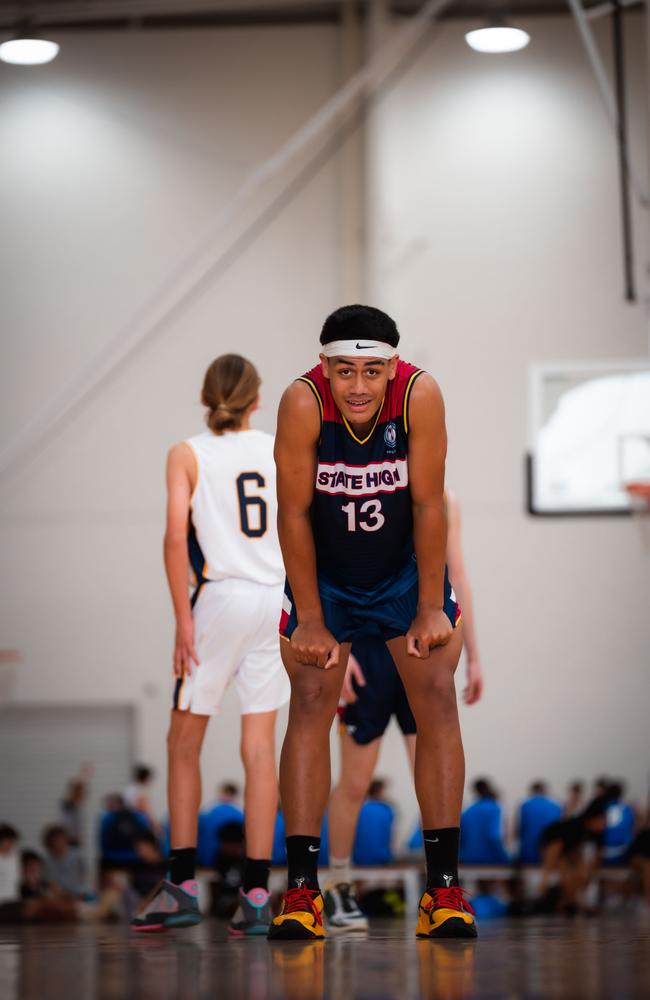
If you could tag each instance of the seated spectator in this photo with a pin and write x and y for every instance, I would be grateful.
(488, 901)
(639, 857)
(121, 831)
(136, 795)
(373, 838)
(324, 853)
(9, 874)
(279, 851)
(574, 803)
(40, 901)
(572, 849)
(71, 806)
(481, 829)
(211, 820)
(33, 883)
(619, 831)
(63, 862)
(229, 868)
(25, 896)
(415, 843)
(601, 786)
(151, 865)
(536, 813)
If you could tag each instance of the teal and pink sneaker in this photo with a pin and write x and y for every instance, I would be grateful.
(169, 906)
(253, 915)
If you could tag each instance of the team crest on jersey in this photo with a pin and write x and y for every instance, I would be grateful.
(390, 434)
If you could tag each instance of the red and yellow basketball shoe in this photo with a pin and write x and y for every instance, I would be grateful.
(445, 913)
(301, 916)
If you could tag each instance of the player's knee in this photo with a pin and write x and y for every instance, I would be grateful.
(182, 742)
(310, 700)
(440, 686)
(354, 787)
(435, 692)
(258, 753)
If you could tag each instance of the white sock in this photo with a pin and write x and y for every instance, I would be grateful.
(339, 870)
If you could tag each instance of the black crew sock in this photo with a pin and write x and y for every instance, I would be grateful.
(441, 849)
(182, 864)
(256, 874)
(302, 860)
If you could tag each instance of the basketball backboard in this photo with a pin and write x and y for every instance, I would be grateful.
(589, 427)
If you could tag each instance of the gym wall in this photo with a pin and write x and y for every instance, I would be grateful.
(494, 239)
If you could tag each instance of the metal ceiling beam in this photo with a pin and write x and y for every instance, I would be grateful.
(177, 13)
(602, 9)
(106, 11)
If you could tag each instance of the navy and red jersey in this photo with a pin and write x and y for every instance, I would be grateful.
(361, 512)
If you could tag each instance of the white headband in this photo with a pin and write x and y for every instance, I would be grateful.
(360, 348)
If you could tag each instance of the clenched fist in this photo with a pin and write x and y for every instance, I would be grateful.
(314, 645)
(429, 628)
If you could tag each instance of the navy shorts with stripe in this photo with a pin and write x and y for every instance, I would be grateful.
(385, 612)
(382, 696)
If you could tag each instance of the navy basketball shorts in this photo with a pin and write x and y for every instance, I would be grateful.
(386, 612)
(382, 696)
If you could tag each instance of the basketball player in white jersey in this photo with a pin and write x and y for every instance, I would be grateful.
(221, 524)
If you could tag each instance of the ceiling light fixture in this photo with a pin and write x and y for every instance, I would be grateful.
(26, 49)
(497, 39)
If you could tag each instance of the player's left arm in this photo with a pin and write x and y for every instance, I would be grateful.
(353, 675)
(426, 457)
(460, 583)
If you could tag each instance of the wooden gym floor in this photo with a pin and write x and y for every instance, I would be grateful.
(529, 958)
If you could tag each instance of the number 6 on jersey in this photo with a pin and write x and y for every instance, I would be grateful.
(247, 504)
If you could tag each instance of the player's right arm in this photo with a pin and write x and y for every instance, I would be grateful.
(181, 479)
(296, 444)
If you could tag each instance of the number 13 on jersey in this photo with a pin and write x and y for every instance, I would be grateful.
(368, 517)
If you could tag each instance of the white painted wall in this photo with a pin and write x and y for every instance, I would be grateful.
(116, 158)
(494, 241)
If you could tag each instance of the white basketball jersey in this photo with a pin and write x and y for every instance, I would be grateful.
(233, 516)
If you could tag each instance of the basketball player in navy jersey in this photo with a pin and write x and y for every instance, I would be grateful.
(360, 452)
(372, 693)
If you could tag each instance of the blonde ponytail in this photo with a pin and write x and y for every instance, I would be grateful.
(230, 387)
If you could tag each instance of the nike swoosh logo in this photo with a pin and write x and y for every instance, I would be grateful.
(363, 347)
(435, 840)
(313, 850)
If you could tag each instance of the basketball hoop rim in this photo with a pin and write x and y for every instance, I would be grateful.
(638, 490)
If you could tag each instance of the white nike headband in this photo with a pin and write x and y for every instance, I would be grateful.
(358, 349)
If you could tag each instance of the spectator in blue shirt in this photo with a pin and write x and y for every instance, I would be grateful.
(373, 839)
(620, 823)
(536, 813)
(481, 829)
(415, 843)
(211, 820)
(122, 833)
(279, 852)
